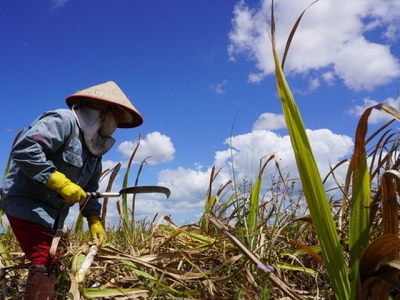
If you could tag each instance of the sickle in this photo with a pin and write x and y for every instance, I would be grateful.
(146, 189)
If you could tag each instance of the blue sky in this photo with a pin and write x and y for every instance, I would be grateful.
(201, 72)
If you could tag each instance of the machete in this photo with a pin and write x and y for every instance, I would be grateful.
(132, 190)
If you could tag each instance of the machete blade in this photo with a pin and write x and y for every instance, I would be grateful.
(146, 189)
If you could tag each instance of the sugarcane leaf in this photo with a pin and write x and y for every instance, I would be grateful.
(312, 184)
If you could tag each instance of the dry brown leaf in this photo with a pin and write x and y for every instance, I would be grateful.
(376, 253)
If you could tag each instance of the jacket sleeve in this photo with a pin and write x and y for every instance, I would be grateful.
(46, 135)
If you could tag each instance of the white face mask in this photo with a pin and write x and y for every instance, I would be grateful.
(109, 125)
(89, 122)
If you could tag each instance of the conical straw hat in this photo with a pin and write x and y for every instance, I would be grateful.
(109, 92)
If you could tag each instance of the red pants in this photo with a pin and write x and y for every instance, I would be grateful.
(34, 239)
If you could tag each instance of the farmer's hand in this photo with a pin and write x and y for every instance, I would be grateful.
(99, 236)
(71, 192)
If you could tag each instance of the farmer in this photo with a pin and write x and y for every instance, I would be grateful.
(53, 165)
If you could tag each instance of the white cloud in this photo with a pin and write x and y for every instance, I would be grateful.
(255, 77)
(393, 31)
(314, 84)
(59, 3)
(247, 152)
(269, 121)
(219, 87)
(251, 147)
(155, 148)
(328, 147)
(363, 65)
(187, 185)
(329, 77)
(332, 37)
(376, 116)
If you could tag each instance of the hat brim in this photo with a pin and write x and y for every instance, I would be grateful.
(130, 116)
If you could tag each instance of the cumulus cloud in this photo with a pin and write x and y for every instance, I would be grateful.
(269, 121)
(188, 185)
(155, 148)
(250, 148)
(333, 37)
(246, 152)
(376, 116)
(363, 65)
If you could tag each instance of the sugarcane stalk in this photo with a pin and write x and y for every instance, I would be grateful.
(86, 263)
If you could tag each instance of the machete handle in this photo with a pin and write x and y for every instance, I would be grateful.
(93, 194)
(102, 195)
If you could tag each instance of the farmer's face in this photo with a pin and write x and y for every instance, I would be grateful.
(109, 116)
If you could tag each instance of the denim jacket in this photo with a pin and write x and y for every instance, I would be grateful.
(54, 142)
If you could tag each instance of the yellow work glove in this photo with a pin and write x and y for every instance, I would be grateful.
(71, 192)
(99, 236)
